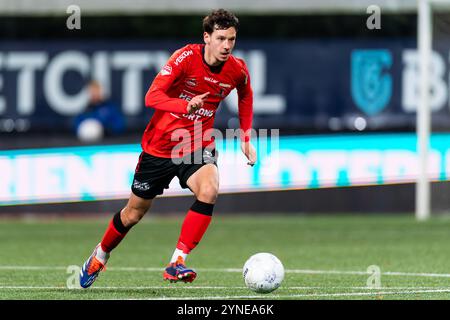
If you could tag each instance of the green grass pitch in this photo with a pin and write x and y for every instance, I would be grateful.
(325, 257)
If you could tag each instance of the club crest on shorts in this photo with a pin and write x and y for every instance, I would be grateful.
(142, 186)
(208, 157)
(371, 84)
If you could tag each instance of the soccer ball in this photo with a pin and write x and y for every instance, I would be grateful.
(263, 272)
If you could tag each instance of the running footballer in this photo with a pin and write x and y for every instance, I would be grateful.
(185, 95)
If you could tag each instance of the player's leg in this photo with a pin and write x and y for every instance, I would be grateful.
(117, 229)
(123, 221)
(204, 183)
(152, 175)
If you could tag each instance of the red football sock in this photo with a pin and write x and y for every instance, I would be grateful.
(194, 226)
(115, 232)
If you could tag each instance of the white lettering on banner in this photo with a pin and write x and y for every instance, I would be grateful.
(134, 63)
(361, 167)
(7, 180)
(98, 176)
(61, 176)
(53, 82)
(327, 171)
(447, 165)
(292, 163)
(262, 103)
(410, 81)
(120, 181)
(27, 64)
(23, 171)
(2, 99)
(241, 177)
(48, 177)
(400, 165)
(101, 71)
(84, 177)
(364, 167)
(160, 58)
(99, 65)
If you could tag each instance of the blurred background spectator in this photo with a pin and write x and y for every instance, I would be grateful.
(102, 116)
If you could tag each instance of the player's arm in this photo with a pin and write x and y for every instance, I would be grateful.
(172, 72)
(245, 106)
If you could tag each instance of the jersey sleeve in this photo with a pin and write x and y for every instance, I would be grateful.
(245, 104)
(172, 72)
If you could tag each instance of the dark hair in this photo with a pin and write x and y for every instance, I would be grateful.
(220, 19)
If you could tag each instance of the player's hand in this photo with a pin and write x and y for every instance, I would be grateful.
(250, 152)
(197, 102)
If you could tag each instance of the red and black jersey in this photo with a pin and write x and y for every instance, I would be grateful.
(186, 75)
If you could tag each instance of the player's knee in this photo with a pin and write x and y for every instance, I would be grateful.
(131, 215)
(208, 193)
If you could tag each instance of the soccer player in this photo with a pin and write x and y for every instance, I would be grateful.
(185, 95)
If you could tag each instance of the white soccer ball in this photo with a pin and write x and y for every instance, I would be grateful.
(90, 130)
(263, 272)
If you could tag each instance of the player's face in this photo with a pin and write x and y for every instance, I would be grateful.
(220, 43)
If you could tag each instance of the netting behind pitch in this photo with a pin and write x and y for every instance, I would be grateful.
(440, 106)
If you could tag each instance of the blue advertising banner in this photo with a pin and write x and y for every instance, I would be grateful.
(295, 162)
(335, 84)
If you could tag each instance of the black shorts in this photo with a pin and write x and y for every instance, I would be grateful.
(154, 174)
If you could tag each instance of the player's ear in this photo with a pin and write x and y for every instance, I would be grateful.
(206, 37)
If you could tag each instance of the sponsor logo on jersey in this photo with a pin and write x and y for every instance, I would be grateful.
(185, 96)
(166, 70)
(182, 56)
(211, 80)
(198, 114)
(191, 82)
(221, 94)
(225, 85)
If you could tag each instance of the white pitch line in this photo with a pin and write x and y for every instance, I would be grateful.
(283, 288)
(116, 288)
(313, 295)
(372, 292)
(301, 271)
(32, 268)
(387, 273)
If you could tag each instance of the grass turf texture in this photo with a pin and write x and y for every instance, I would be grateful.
(326, 257)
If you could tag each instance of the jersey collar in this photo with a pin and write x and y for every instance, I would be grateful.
(213, 69)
